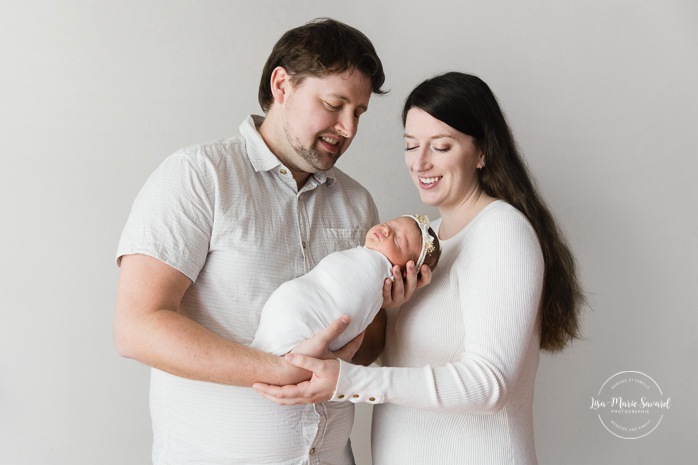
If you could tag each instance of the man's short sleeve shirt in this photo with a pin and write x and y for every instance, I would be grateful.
(230, 217)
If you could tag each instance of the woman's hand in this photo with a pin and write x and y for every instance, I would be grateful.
(396, 293)
(318, 389)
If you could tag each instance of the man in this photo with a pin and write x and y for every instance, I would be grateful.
(218, 227)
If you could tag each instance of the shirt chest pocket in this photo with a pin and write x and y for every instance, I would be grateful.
(336, 239)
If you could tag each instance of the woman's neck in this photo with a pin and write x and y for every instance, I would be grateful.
(455, 218)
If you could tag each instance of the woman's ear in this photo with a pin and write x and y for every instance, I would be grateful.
(481, 160)
(280, 82)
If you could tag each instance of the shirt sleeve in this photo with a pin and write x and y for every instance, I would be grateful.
(172, 217)
(499, 288)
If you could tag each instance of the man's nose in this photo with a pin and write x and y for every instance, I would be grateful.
(346, 125)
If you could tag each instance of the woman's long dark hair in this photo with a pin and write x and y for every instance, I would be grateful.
(467, 104)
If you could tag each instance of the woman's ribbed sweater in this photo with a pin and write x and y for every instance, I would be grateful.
(461, 356)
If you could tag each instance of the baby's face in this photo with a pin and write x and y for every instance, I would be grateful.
(399, 239)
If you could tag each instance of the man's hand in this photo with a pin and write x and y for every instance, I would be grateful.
(318, 389)
(318, 345)
(314, 356)
(396, 293)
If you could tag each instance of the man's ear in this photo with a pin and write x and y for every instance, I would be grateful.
(280, 84)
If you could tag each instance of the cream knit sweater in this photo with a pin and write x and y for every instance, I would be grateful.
(461, 356)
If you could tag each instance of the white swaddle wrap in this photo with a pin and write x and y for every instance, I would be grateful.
(349, 282)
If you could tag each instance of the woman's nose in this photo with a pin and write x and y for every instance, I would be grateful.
(418, 159)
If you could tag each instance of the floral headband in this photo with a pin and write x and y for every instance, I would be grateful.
(427, 239)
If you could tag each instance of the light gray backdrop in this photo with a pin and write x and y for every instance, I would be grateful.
(93, 95)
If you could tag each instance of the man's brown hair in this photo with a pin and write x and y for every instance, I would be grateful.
(320, 48)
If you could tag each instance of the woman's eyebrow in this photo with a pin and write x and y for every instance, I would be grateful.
(436, 136)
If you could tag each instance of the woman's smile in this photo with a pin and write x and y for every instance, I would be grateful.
(430, 182)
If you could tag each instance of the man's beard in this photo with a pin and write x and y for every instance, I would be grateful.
(311, 155)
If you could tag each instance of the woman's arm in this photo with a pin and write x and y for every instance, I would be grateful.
(321, 386)
(500, 284)
(395, 293)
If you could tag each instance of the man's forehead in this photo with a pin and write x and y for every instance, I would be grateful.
(345, 85)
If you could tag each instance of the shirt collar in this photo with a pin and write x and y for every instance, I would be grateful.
(262, 158)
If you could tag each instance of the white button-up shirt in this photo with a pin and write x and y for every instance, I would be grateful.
(229, 216)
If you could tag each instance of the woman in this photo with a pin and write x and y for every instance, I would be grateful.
(461, 356)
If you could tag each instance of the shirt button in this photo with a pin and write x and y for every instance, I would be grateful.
(372, 399)
(341, 396)
(355, 396)
(303, 244)
(283, 171)
(312, 451)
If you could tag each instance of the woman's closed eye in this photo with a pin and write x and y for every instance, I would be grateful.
(435, 149)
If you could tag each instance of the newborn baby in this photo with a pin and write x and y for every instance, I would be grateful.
(349, 282)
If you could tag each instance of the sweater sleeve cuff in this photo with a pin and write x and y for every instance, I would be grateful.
(355, 384)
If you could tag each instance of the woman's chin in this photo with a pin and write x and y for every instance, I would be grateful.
(429, 200)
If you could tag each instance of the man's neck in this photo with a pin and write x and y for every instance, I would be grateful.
(271, 136)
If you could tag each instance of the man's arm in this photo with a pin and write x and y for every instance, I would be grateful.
(149, 328)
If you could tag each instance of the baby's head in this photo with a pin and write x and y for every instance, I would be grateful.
(405, 238)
